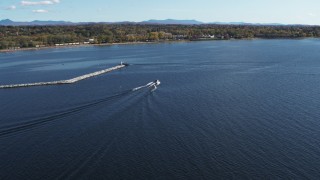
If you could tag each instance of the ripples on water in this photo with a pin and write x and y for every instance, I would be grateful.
(225, 109)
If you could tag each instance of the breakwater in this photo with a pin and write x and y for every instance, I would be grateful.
(68, 81)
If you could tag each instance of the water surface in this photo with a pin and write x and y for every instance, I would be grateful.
(225, 109)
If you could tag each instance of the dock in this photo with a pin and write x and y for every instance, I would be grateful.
(68, 81)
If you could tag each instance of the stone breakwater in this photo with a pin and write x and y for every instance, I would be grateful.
(68, 81)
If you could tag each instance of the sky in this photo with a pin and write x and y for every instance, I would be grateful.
(251, 11)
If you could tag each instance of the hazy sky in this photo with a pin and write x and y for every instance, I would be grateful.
(254, 11)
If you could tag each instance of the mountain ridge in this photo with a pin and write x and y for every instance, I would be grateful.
(8, 22)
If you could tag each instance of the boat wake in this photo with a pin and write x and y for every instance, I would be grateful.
(152, 85)
(18, 127)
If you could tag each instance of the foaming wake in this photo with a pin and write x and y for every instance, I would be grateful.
(68, 81)
(16, 128)
(152, 85)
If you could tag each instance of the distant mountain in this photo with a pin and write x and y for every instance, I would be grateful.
(36, 22)
(245, 23)
(195, 22)
(8, 22)
(171, 21)
(230, 23)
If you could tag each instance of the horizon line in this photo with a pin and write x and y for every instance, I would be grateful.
(169, 19)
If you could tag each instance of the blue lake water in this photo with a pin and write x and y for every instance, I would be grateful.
(224, 110)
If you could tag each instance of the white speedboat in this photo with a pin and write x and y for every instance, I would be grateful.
(153, 85)
(157, 82)
(123, 63)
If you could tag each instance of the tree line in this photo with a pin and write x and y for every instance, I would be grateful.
(39, 36)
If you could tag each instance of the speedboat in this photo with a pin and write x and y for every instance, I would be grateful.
(157, 82)
(153, 85)
(123, 63)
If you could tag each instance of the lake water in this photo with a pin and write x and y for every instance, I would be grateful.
(224, 109)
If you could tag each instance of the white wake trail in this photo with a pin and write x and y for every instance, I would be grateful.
(68, 81)
(147, 85)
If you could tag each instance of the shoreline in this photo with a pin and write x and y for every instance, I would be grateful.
(87, 45)
(135, 43)
(71, 46)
